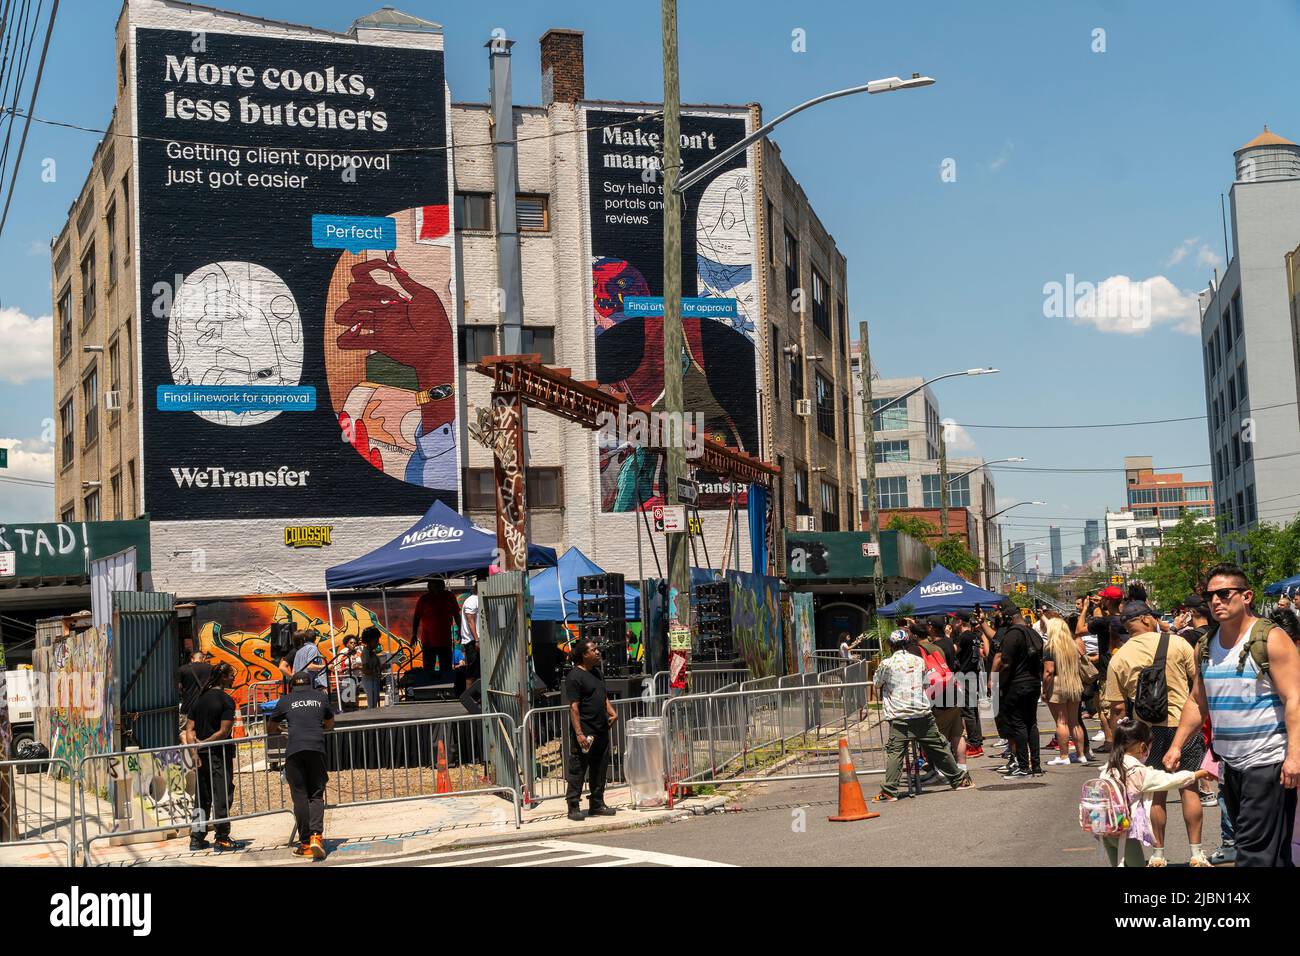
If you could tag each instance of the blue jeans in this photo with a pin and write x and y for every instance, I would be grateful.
(371, 686)
(1225, 821)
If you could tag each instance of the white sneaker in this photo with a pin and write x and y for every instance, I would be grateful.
(1077, 759)
(1059, 762)
(1098, 737)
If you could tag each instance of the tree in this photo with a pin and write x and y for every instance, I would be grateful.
(1186, 552)
(913, 527)
(1090, 580)
(1272, 552)
(953, 554)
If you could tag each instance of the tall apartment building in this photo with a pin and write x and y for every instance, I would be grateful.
(774, 378)
(1250, 343)
(1164, 496)
(907, 470)
(1054, 537)
(1091, 541)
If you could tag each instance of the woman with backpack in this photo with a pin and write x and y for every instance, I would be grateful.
(1065, 671)
(1126, 788)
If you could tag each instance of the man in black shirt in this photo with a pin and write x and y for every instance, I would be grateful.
(1019, 668)
(970, 650)
(590, 717)
(211, 719)
(193, 678)
(308, 711)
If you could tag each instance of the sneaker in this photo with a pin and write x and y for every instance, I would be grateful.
(301, 849)
(1050, 745)
(1209, 799)
(1017, 773)
(317, 847)
(577, 815)
(1098, 737)
(1199, 860)
(1075, 758)
(964, 784)
(1101, 749)
(601, 811)
(223, 843)
(1158, 862)
(1224, 854)
(974, 752)
(883, 797)
(1060, 762)
(1037, 772)
(198, 843)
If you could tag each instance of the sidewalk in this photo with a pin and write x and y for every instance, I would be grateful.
(381, 830)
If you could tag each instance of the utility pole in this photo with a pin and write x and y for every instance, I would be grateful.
(679, 573)
(869, 430)
(943, 482)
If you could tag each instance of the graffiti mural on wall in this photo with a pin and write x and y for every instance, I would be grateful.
(803, 637)
(75, 716)
(160, 782)
(237, 631)
(756, 622)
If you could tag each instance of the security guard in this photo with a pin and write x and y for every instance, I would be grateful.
(308, 712)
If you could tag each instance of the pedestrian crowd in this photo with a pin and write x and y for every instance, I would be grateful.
(1206, 704)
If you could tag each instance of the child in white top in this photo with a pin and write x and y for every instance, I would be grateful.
(1128, 768)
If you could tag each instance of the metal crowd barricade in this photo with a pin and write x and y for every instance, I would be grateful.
(545, 746)
(165, 789)
(255, 695)
(785, 732)
(38, 806)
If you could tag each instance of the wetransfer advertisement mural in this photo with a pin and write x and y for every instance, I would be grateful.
(297, 308)
(719, 290)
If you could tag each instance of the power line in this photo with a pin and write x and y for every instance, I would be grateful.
(34, 482)
(36, 86)
(1155, 421)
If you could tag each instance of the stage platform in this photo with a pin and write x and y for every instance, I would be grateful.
(395, 713)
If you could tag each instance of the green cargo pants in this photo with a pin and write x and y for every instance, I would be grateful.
(926, 733)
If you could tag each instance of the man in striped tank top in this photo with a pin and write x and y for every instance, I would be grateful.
(1248, 681)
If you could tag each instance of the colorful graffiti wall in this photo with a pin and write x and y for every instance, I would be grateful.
(756, 622)
(237, 631)
(803, 633)
(73, 717)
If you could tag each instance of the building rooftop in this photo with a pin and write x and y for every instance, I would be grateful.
(390, 18)
(1267, 138)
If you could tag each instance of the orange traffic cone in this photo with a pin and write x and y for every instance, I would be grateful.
(853, 806)
(444, 778)
(238, 730)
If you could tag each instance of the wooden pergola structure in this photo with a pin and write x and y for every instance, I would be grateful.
(522, 380)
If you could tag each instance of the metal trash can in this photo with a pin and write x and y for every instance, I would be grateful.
(643, 762)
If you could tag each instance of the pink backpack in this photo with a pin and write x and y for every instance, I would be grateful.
(1103, 808)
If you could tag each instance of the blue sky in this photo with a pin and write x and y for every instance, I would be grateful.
(1068, 161)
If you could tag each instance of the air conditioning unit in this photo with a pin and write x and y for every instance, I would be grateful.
(803, 407)
(805, 523)
(113, 401)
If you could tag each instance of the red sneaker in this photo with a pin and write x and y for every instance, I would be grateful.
(974, 751)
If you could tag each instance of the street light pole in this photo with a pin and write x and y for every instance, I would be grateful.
(1001, 563)
(869, 434)
(984, 521)
(943, 482)
(679, 573)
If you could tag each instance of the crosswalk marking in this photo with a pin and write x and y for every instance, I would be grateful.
(539, 853)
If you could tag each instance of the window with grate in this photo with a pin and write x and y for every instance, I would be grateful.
(533, 212)
(830, 507)
(540, 340)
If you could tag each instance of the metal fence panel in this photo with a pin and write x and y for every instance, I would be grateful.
(146, 649)
(38, 805)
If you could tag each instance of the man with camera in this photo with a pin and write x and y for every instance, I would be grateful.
(307, 710)
(1018, 666)
(1100, 629)
(306, 657)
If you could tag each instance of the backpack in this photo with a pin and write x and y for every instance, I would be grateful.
(1151, 698)
(938, 677)
(1103, 808)
(1256, 645)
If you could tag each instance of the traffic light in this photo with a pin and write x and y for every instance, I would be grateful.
(1117, 579)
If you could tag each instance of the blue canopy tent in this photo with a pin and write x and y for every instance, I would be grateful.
(941, 591)
(441, 544)
(555, 590)
(1285, 586)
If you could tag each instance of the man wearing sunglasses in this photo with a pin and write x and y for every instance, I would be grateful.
(1248, 681)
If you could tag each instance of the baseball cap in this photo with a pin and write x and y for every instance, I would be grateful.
(1134, 609)
(1194, 600)
(898, 637)
(961, 615)
(1008, 606)
(1112, 593)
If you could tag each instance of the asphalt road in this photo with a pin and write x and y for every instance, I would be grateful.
(1026, 822)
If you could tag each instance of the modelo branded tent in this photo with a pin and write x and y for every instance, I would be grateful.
(940, 592)
(441, 544)
(555, 590)
(1285, 586)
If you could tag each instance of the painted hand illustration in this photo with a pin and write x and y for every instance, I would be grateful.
(409, 326)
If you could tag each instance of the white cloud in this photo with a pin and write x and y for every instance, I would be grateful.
(38, 248)
(1123, 306)
(1183, 250)
(956, 438)
(31, 459)
(28, 352)
(1205, 256)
